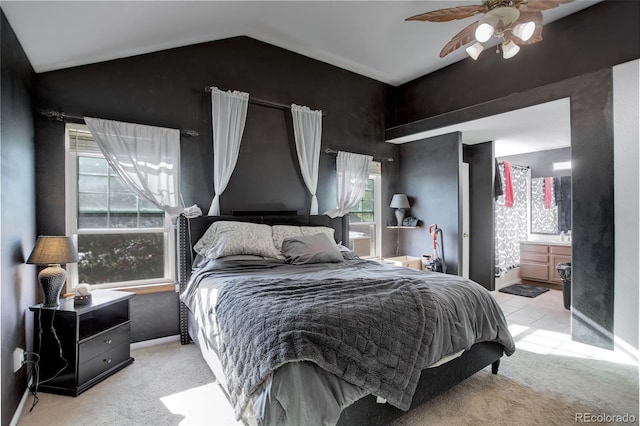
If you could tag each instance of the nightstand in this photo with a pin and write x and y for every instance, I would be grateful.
(94, 341)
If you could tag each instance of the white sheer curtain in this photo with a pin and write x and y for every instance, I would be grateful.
(229, 114)
(352, 176)
(147, 158)
(307, 130)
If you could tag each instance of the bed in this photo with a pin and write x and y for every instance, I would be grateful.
(332, 341)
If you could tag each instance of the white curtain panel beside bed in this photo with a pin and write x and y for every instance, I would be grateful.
(147, 158)
(352, 177)
(229, 114)
(307, 130)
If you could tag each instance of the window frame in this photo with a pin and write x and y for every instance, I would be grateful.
(375, 173)
(71, 226)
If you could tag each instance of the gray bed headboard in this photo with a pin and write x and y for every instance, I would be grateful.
(189, 231)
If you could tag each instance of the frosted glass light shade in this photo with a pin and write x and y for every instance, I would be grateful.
(524, 31)
(484, 32)
(475, 50)
(509, 49)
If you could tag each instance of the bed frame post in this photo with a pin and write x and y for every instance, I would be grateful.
(495, 366)
(184, 265)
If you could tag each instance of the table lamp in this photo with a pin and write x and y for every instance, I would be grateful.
(52, 251)
(399, 202)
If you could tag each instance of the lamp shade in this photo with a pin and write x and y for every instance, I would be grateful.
(53, 250)
(399, 201)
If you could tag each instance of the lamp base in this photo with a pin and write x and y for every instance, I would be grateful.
(400, 216)
(51, 280)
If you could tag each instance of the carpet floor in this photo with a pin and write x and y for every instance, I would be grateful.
(170, 384)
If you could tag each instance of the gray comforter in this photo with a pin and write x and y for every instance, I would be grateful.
(408, 321)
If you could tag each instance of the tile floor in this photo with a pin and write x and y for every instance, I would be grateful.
(541, 324)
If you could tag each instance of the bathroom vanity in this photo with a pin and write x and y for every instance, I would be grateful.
(538, 260)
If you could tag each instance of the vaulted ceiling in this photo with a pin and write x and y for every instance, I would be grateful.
(370, 38)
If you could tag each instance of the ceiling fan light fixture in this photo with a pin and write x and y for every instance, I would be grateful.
(524, 31)
(475, 50)
(509, 49)
(484, 32)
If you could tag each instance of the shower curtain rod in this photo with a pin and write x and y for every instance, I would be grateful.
(379, 159)
(61, 116)
(262, 102)
(516, 165)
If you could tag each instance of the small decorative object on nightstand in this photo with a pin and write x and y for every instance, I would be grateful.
(399, 202)
(80, 346)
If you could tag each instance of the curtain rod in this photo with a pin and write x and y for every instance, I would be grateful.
(379, 159)
(61, 116)
(262, 102)
(515, 165)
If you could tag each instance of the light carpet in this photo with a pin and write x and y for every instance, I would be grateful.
(170, 384)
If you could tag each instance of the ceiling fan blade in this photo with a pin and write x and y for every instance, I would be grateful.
(538, 5)
(450, 14)
(460, 39)
(536, 17)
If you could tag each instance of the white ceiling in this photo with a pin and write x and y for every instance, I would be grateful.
(370, 38)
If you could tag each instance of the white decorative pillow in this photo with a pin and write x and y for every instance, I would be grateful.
(313, 230)
(226, 238)
(281, 232)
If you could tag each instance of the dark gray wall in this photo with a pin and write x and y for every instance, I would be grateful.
(541, 162)
(469, 90)
(481, 213)
(609, 29)
(167, 89)
(430, 176)
(18, 283)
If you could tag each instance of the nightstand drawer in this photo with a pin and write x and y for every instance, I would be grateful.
(102, 363)
(104, 342)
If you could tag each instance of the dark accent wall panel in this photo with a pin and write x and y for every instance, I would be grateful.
(592, 218)
(430, 176)
(18, 281)
(610, 29)
(481, 213)
(166, 88)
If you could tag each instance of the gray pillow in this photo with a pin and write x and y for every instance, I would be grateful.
(310, 249)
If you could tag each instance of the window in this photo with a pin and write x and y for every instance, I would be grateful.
(365, 218)
(122, 239)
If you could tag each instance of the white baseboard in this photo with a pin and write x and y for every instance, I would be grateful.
(18, 413)
(154, 342)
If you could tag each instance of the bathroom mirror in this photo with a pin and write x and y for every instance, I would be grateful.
(550, 205)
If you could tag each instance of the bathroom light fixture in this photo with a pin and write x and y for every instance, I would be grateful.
(562, 165)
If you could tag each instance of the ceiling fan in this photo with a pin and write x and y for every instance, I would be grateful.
(513, 22)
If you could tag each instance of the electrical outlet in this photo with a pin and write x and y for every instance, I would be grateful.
(18, 359)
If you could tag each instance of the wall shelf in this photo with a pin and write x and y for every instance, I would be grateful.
(401, 227)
